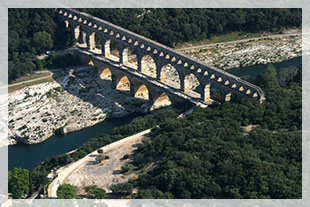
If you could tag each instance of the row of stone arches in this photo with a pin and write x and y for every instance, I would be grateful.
(192, 87)
(227, 81)
(138, 90)
(171, 77)
(167, 73)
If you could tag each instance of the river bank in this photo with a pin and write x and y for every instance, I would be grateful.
(236, 54)
(26, 156)
(75, 100)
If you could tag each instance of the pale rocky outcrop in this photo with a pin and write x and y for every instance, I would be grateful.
(74, 101)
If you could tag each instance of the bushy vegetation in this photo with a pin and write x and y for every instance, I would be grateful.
(95, 192)
(209, 155)
(60, 131)
(63, 61)
(66, 191)
(99, 158)
(183, 25)
(34, 31)
(19, 182)
(121, 189)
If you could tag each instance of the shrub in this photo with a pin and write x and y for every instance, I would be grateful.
(99, 158)
(126, 167)
(95, 192)
(66, 191)
(121, 188)
(60, 131)
(126, 156)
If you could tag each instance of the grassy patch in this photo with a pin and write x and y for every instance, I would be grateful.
(35, 82)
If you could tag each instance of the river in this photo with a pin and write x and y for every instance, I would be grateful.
(255, 70)
(28, 156)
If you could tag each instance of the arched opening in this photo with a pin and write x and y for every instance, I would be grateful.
(105, 73)
(216, 93)
(205, 94)
(142, 92)
(67, 23)
(105, 47)
(80, 36)
(132, 58)
(114, 52)
(76, 32)
(90, 62)
(148, 66)
(129, 58)
(160, 101)
(170, 76)
(90, 37)
(98, 43)
(87, 61)
(192, 85)
(123, 84)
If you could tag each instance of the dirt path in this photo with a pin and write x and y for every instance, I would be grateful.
(65, 172)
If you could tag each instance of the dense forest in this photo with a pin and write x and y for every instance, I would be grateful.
(34, 31)
(210, 155)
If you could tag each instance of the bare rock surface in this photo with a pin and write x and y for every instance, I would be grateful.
(72, 102)
(240, 54)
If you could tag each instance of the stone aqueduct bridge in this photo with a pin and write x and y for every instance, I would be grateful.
(84, 27)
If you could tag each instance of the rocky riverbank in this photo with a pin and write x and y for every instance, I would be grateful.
(75, 100)
(236, 54)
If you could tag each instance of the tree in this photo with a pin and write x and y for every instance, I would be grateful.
(99, 158)
(96, 192)
(100, 151)
(18, 182)
(121, 188)
(38, 178)
(66, 191)
(42, 41)
(268, 78)
(286, 75)
(126, 167)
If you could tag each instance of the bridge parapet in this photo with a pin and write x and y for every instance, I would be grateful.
(162, 54)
